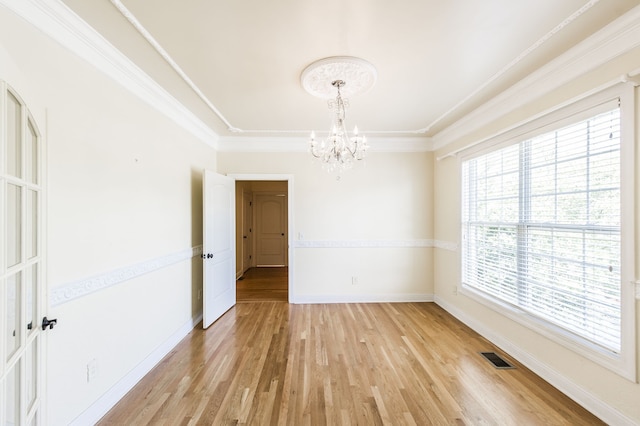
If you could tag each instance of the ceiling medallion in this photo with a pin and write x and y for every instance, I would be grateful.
(344, 76)
(359, 75)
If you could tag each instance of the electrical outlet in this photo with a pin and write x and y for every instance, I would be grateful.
(92, 370)
(354, 280)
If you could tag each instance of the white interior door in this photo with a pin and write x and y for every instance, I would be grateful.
(247, 232)
(219, 284)
(271, 230)
(21, 287)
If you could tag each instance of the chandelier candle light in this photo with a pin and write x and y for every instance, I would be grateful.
(339, 150)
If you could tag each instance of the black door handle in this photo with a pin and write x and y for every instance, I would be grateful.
(48, 323)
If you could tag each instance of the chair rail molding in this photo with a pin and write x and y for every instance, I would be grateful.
(418, 243)
(74, 290)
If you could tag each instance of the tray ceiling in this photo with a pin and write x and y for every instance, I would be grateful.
(237, 64)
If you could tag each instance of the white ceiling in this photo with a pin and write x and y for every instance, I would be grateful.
(236, 64)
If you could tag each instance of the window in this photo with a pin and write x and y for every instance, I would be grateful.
(542, 229)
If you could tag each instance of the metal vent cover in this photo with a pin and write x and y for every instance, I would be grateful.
(496, 360)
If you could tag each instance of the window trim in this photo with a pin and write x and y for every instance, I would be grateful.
(623, 363)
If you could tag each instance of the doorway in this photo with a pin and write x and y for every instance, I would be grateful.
(262, 240)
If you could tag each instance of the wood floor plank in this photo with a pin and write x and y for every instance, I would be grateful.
(263, 284)
(271, 363)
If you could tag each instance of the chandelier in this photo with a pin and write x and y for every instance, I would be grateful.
(340, 150)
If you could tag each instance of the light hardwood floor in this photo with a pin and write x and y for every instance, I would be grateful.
(271, 363)
(263, 284)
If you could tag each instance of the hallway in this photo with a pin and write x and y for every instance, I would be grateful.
(263, 284)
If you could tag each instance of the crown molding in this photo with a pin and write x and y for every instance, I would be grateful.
(301, 144)
(341, 65)
(61, 24)
(401, 143)
(617, 38)
(515, 61)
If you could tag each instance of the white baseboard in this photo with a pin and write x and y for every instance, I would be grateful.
(362, 298)
(110, 398)
(583, 397)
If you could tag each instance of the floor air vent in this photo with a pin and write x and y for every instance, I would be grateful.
(495, 359)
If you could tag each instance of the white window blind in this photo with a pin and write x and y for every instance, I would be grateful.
(541, 227)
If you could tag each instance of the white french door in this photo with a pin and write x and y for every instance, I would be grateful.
(21, 286)
(218, 248)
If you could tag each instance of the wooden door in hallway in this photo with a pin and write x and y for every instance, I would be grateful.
(247, 231)
(271, 229)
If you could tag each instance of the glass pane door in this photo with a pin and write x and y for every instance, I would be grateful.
(20, 264)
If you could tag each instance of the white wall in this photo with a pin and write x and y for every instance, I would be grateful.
(381, 206)
(124, 188)
(601, 390)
